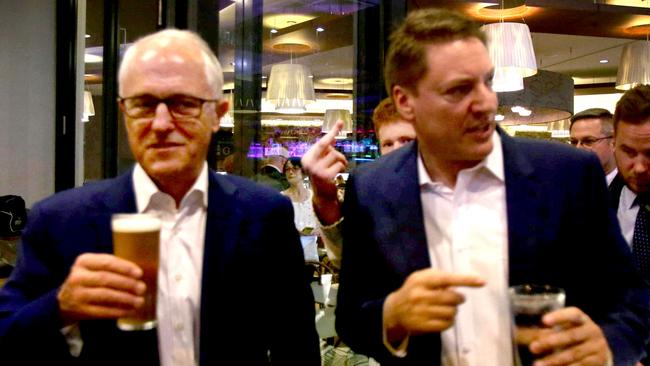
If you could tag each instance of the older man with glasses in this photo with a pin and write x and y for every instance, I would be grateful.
(592, 130)
(231, 284)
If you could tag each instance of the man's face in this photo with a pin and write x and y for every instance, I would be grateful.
(453, 110)
(393, 135)
(168, 148)
(586, 134)
(632, 151)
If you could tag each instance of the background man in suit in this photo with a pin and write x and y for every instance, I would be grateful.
(593, 130)
(272, 172)
(221, 237)
(631, 186)
(462, 213)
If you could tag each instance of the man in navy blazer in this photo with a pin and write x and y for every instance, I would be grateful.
(436, 231)
(245, 300)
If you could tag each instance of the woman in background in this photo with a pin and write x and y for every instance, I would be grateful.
(300, 196)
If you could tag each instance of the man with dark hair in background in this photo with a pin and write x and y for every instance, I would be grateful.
(593, 130)
(436, 231)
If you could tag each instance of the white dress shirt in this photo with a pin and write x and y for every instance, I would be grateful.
(626, 213)
(181, 262)
(467, 232)
(609, 177)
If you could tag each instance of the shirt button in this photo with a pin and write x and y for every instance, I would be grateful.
(178, 277)
(178, 327)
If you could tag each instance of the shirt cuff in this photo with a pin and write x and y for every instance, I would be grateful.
(72, 335)
(400, 350)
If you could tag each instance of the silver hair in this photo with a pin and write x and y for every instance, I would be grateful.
(212, 67)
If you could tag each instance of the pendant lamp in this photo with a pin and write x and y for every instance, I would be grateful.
(634, 67)
(290, 88)
(333, 115)
(511, 51)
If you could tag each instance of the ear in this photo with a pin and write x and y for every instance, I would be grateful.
(221, 109)
(403, 100)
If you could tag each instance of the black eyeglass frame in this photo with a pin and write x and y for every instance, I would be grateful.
(166, 101)
(589, 142)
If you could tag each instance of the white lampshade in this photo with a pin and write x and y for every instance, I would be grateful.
(290, 88)
(634, 67)
(333, 115)
(89, 107)
(511, 51)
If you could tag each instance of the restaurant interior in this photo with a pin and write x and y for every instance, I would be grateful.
(293, 67)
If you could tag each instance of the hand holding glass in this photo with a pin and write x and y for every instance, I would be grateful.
(136, 237)
(529, 303)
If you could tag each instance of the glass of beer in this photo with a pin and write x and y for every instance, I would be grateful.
(136, 237)
(529, 303)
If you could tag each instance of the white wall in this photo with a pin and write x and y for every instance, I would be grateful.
(27, 98)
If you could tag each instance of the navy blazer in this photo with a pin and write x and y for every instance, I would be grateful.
(256, 304)
(560, 232)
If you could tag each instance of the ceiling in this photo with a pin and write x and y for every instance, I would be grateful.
(569, 36)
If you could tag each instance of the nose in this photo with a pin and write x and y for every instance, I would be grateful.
(485, 100)
(640, 165)
(162, 120)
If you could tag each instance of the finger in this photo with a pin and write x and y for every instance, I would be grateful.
(112, 280)
(110, 298)
(108, 262)
(557, 339)
(580, 355)
(328, 140)
(570, 316)
(435, 279)
(102, 312)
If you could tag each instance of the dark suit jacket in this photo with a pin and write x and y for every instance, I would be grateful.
(270, 176)
(256, 305)
(560, 232)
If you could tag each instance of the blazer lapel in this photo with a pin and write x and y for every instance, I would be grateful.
(221, 230)
(525, 207)
(408, 250)
(119, 197)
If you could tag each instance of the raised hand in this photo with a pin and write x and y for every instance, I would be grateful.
(322, 163)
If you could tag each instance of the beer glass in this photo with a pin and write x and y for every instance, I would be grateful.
(136, 238)
(529, 303)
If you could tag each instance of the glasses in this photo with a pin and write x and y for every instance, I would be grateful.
(180, 106)
(589, 141)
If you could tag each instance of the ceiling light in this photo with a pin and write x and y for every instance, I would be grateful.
(336, 81)
(290, 88)
(604, 61)
(499, 117)
(274, 31)
(87, 35)
(89, 107)
(280, 21)
(634, 67)
(92, 59)
(511, 51)
(334, 115)
(320, 29)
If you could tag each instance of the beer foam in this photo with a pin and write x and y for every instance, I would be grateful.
(135, 223)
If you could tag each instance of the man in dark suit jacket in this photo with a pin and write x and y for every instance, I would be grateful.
(630, 188)
(253, 305)
(412, 219)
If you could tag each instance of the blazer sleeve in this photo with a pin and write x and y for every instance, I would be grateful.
(29, 312)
